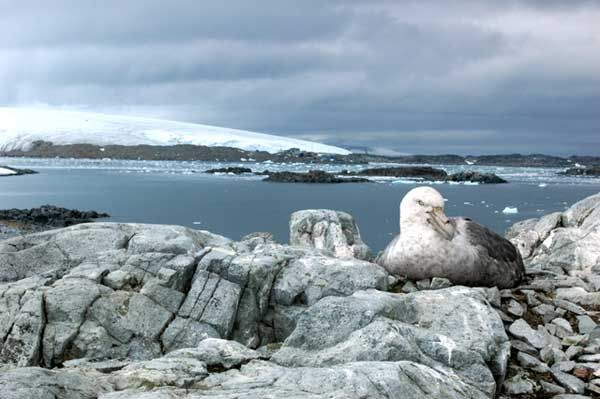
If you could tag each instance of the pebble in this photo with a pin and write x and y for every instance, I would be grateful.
(573, 351)
(439, 283)
(518, 385)
(571, 383)
(524, 347)
(522, 330)
(514, 308)
(551, 388)
(570, 306)
(585, 324)
(531, 363)
(424, 284)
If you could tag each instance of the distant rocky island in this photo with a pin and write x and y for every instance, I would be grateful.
(184, 152)
(420, 173)
(593, 171)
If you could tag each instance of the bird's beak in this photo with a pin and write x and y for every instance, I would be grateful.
(441, 223)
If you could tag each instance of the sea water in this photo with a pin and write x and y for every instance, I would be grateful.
(179, 193)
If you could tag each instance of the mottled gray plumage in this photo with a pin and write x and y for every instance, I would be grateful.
(432, 245)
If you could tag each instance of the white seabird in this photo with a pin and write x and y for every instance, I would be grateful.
(432, 245)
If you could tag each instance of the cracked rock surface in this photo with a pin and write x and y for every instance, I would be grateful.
(118, 311)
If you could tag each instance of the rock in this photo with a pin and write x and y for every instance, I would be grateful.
(22, 345)
(181, 372)
(572, 384)
(569, 306)
(424, 284)
(518, 385)
(377, 380)
(377, 326)
(563, 328)
(313, 176)
(564, 366)
(332, 231)
(522, 330)
(33, 382)
(523, 347)
(421, 172)
(579, 296)
(573, 351)
(218, 353)
(514, 308)
(235, 170)
(550, 388)
(585, 324)
(476, 177)
(438, 283)
(531, 363)
(592, 171)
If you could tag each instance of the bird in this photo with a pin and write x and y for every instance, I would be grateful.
(430, 244)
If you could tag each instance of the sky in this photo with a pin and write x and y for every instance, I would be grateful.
(393, 77)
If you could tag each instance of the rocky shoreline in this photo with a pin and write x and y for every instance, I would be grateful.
(43, 149)
(123, 311)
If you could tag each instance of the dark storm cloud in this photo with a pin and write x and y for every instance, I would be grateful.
(411, 76)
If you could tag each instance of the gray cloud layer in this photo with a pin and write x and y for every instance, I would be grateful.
(406, 76)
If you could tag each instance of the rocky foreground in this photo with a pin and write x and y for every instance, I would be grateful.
(123, 311)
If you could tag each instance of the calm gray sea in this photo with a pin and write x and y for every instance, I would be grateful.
(177, 193)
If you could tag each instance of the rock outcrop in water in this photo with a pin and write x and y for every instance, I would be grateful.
(15, 172)
(313, 176)
(593, 171)
(21, 221)
(475, 177)
(117, 311)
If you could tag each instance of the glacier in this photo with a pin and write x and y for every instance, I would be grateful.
(20, 127)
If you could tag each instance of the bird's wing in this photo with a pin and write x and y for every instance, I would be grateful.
(497, 247)
(498, 258)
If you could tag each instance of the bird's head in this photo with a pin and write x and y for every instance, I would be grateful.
(425, 206)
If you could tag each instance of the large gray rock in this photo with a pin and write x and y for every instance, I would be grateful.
(562, 242)
(141, 291)
(33, 382)
(377, 380)
(453, 328)
(332, 231)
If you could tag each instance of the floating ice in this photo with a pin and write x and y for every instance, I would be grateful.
(510, 210)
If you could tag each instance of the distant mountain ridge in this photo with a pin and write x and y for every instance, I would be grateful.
(20, 128)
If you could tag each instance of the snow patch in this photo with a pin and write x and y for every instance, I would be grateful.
(20, 127)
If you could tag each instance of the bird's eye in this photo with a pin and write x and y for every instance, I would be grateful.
(420, 202)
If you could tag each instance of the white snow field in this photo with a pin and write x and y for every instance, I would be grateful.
(20, 127)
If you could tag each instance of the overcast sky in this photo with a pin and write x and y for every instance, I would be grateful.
(445, 76)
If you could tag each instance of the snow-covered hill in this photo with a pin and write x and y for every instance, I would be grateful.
(20, 127)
